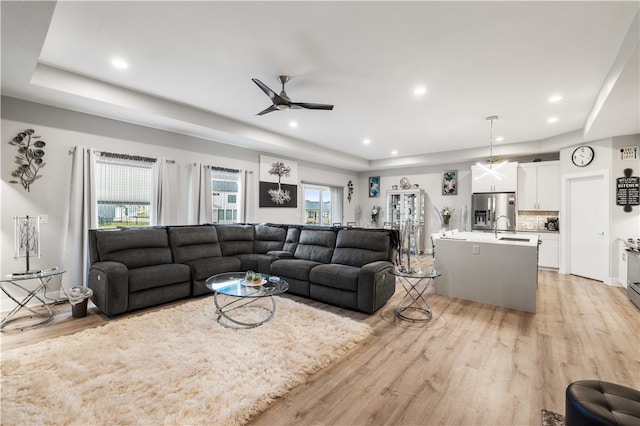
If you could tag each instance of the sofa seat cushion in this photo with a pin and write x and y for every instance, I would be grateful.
(157, 276)
(293, 268)
(205, 268)
(342, 277)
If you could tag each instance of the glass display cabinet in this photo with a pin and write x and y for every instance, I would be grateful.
(407, 205)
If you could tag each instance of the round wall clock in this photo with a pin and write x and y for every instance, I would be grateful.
(582, 156)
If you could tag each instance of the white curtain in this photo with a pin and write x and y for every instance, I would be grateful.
(82, 217)
(337, 194)
(166, 194)
(199, 191)
(248, 195)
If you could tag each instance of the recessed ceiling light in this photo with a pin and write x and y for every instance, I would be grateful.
(419, 90)
(555, 98)
(552, 119)
(394, 152)
(499, 139)
(366, 141)
(293, 124)
(119, 63)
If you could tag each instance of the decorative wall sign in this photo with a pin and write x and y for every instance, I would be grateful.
(628, 190)
(374, 186)
(450, 182)
(278, 182)
(29, 158)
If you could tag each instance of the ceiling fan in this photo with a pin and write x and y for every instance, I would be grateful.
(282, 101)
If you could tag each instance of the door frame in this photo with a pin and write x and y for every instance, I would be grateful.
(565, 208)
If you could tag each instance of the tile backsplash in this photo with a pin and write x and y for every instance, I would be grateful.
(534, 219)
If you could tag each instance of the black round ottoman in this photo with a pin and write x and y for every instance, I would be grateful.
(596, 403)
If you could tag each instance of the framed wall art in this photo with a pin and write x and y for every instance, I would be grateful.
(374, 186)
(450, 182)
(278, 182)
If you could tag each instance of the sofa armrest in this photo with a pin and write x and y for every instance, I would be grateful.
(376, 285)
(280, 254)
(110, 284)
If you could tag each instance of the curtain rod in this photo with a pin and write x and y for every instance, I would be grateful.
(224, 169)
(306, 182)
(126, 156)
(123, 156)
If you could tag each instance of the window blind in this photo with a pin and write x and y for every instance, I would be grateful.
(124, 187)
(226, 195)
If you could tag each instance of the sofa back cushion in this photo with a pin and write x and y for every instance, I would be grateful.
(235, 239)
(268, 238)
(190, 243)
(292, 240)
(134, 247)
(358, 247)
(316, 245)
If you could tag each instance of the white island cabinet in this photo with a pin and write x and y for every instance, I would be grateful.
(500, 271)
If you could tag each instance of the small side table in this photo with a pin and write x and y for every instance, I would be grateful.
(41, 310)
(413, 306)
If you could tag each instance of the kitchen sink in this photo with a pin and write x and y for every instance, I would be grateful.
(522, 240)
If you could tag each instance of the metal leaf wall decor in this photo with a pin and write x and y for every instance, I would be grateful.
(29, 158)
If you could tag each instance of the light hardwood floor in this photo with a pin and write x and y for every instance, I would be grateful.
(473, 364)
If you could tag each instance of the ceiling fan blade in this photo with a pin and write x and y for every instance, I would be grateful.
(275, 98)
(270, 109)
(306, 105)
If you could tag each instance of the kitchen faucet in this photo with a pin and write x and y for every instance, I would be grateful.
(495, 224)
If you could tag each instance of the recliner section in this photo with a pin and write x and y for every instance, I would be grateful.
(137, 268)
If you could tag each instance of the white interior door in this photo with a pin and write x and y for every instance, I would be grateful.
(587, 222)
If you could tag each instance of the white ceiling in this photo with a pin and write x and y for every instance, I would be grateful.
(191, 65)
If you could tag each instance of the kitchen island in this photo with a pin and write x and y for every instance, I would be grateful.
(481, 267)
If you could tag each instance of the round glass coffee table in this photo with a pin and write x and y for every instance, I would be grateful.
(243, 311)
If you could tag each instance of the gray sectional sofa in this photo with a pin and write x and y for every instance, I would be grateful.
(135, 268)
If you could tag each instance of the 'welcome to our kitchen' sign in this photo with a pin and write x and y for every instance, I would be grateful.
(628, 190)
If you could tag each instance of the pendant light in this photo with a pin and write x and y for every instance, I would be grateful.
(492, 160)
(491, 119)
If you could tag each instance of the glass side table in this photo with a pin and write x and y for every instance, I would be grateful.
(42, 311)
(413, 306)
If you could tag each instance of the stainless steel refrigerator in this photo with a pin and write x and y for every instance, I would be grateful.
(487, 207)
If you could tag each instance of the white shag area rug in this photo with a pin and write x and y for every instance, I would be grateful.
(176, 366)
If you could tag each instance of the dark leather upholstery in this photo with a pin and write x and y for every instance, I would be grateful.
(597, 403)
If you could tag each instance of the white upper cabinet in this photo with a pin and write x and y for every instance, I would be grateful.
(539, 186)
(502, 178)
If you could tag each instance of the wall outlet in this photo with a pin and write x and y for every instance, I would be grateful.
(476, 249)
(44, 218)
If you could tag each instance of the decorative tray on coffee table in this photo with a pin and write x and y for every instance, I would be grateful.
(253, 283)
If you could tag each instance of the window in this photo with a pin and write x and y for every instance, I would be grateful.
(124, 187)
(322, 205)
(225, 184)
